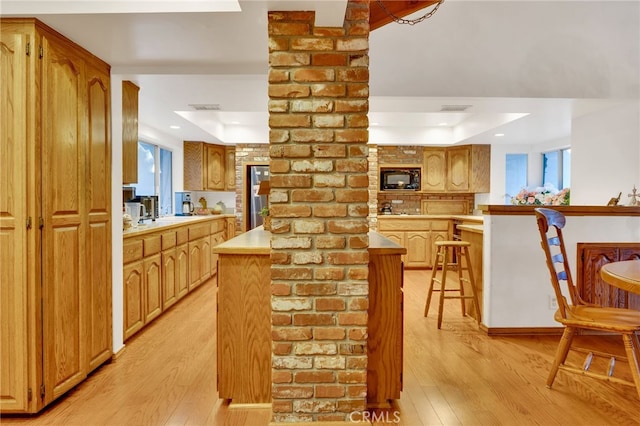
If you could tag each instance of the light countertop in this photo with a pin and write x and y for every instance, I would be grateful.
(258, 241)
(466, 218)
(167, 222)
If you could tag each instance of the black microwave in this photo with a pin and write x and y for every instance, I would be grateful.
(400, 178)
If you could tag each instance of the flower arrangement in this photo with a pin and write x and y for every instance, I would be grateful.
(542, 196)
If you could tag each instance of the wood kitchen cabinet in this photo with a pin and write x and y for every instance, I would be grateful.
(464, 168)
(55, 197)
(163, 264)
(129, 132)
(230, 168)
(204, 167)
(152, 278)
(591, 287)
(199, 254)
(417, 235)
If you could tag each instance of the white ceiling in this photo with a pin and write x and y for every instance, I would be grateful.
(524, 68)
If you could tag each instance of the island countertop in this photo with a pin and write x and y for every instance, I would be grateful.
(258, 241)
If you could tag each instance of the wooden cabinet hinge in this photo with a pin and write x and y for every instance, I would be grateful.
(42, 392)
(41, 53)
(29, 222)
(29, 395)
(40, 222)
(28, 49)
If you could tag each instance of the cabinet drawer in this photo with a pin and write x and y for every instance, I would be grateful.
(131, 250)
(168, 240)
(198, 231)
(182, 235)
(152, 245)
(404, 224)
(440, 225)
(217, 226)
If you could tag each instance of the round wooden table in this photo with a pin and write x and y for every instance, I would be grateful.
(624, 275)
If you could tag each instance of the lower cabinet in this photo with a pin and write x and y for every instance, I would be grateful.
(162, 265)
(592, 288)
(417, 235)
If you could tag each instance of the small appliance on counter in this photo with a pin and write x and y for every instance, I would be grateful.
(184, 206)
(151, 205)
(386, 208)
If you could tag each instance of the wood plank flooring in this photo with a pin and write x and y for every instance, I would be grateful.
(454, 376)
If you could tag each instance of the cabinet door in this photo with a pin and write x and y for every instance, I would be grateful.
(215, 167)
(418, 249)
(231, 228)
(99, 216)
(458, 163)
(397, 237)
(152, 287)
(13, 217)
(63, 158)
(169, 278)
(205, 272)
(230, 168)
(434, 173)
(129, 132)
(195, 263)
(436, 236)
(182, 270)
(194, 160)
(133, 298)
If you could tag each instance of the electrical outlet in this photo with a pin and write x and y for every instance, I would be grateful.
(553, 303)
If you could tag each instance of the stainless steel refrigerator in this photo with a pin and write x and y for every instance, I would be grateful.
(255, 202)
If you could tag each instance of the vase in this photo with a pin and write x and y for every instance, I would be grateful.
(267, 223)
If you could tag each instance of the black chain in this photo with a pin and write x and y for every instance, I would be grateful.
(410, 21)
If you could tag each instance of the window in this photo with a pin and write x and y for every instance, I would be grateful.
(556, 168)
(516, 175)
(155, 175)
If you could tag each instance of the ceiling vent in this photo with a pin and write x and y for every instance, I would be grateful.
(455, 108)
(205, 107)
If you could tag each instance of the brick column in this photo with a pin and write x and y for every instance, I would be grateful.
(318, 90)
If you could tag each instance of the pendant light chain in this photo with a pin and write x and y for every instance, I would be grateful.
(410, 21)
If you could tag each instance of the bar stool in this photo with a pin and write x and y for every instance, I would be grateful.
(460, 251)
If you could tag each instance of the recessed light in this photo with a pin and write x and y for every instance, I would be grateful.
(235, 122)
(375, 123)
(174, 127)
(442, 124)
(499, 134)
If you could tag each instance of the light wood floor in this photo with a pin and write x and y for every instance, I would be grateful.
(454, 376)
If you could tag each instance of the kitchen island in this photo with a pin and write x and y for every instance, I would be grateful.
(244, 319)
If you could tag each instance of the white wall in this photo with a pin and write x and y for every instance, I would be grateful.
(605, 148)
(517, 286)
(117, 288)
(605, 155)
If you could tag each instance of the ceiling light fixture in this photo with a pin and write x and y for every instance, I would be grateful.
(400, 20)
(174, 127)
(443, 124)
(499, 135)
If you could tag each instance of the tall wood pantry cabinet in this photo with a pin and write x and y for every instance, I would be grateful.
(55, 215)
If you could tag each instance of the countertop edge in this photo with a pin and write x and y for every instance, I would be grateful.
(171, 222)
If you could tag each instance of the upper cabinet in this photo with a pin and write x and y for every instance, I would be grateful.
(464, 168)
(129, 132)
(230, 168)
(205, 167)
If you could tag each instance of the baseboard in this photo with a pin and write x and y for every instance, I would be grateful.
(118, 354)
(506, 331)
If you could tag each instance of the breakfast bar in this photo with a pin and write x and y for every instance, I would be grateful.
(244, 319)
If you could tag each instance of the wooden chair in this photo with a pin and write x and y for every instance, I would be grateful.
(577, 315)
